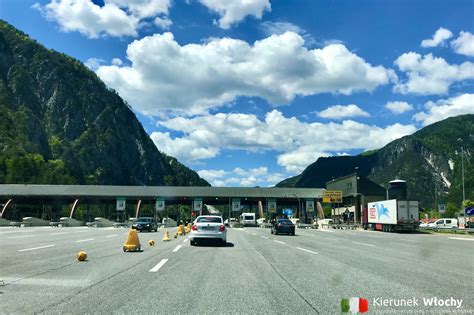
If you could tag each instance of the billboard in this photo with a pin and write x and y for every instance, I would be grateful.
(383, 212)
(160, 204)
(121, 204)
(236, 204)
(272, 205)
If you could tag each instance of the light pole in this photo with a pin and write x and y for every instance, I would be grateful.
(462, 170)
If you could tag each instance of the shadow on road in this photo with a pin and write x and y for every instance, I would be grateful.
(213, 243)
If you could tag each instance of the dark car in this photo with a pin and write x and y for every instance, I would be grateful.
(145, 224)
(283, 226)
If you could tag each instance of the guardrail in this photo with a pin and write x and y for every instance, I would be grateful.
(455, 229)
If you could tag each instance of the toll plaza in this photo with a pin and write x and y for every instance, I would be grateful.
(119, 203)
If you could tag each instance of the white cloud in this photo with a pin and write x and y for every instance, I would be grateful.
(298, 143)
(430, 75)
(234, 11)
(192, 78)
(438, 39)
(444, 108)
(114, 18)
(278, 28)
(398, 107)
(117, 61)
(242, 177)
(343, 111)
(464, 44)
(94, 63)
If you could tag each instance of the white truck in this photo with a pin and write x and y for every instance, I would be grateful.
(248, 219)
(392, 215)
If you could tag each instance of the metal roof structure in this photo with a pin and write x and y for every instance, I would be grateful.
(97, 191)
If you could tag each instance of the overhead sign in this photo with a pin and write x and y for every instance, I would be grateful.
(469, 211)
(310, 205)
(160, 204)
(197, 204)
(121, 204)
(333, 196)
(235, 204)
(272, 205)
(288, 212)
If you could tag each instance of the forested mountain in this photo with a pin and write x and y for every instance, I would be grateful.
(429, 159)
(60, 124)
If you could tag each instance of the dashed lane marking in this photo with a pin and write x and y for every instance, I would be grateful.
(176, 248)
(86, 240)
(159, 265)
(114, 235)
(307, 250)
(35, 248)
(185, 240)
(264, 237)
(279, 242)
(365, 244)
(462, 238)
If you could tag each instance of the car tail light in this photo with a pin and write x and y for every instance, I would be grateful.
(222, 228)
(194, 228)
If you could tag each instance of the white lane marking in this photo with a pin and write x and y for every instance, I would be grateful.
(23, 236)
(48, 282)
(185, 240)
(177, 248)
(253, 233)
(406, 245)
(279, 242)
(60, 233)
(159, 265)
(461, 238)
(405, 240)
(35, 248)
(363, 244)
(307, 250)
(86, 240)
(264, 237)
(114, 235)
(323, 230)
(375, 236)
(332, 239)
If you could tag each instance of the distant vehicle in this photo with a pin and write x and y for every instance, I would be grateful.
(232, 220)
(447, 223)
(324, 222)
(145, 224)
(283, 226)
(248, 219)
(208, 227)
(391, 215)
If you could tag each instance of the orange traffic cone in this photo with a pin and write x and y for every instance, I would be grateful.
(132, 243)
(166, 237)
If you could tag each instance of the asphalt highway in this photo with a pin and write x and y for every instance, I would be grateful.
(255, 273)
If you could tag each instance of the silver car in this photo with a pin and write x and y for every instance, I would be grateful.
(207, 227)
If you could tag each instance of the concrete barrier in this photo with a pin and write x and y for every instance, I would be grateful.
(100, 222)
(4, 222)
(32, 221)
(66, 221)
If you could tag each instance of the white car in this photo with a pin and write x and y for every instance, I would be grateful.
(207, 227)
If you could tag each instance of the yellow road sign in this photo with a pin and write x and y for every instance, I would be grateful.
(333, 196)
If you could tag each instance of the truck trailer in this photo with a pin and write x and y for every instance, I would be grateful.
(391, 215)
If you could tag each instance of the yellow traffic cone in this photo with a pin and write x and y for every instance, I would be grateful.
(166, 237)
(151, 242)
(132, 243)
(180, 229)
(176, 235)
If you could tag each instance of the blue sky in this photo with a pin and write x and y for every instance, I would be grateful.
(251, 92)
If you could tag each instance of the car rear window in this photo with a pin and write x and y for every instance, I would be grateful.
(145, 220)
(285, 222)
(248, 217)
(209, 220)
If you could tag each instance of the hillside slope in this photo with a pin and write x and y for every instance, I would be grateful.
(430, 160)
(60, 124)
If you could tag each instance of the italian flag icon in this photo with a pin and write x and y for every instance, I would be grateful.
(354, 305)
